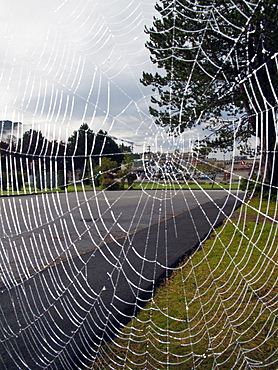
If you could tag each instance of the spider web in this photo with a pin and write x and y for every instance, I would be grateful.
(76, 266)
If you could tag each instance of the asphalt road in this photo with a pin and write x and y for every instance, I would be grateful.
(76, 266)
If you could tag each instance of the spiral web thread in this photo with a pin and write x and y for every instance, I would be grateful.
(77, 266)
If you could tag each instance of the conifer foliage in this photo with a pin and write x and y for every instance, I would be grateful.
(217, 62)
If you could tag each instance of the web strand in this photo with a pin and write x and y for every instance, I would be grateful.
(90, 275)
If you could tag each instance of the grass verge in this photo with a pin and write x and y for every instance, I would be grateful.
(217, 310)
(135, 186)
(183, 186)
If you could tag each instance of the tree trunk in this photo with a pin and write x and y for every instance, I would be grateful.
(265, 102)
(269, 153)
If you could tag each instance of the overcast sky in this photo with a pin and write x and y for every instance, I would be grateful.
(65, 62)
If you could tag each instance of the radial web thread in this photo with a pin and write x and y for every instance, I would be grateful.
(90, 277)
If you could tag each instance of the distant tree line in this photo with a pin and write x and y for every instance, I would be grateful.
(33, 160)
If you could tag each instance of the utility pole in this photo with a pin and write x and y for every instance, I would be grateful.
(149, 151)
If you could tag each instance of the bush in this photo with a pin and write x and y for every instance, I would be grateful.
(96, 181)
(87, 181)
(4, 181)
(17, 181)
(255, 186)
(110, 184)
(62, 180)
(131, 177)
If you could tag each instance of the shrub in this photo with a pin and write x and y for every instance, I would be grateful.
(17, 181)
(110, 184)
(4, 181)
(254, 185)
(62, 180)
(87, 180)
(131, 177)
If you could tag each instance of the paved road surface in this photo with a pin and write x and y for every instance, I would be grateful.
(123, 243)
(37, 230)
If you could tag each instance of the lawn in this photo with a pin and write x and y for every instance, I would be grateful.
(219, 307)
(184, 186)
(145, 185)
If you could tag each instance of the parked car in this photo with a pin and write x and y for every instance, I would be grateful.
(204, 177)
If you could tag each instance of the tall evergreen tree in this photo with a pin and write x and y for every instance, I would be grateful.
(33, 143)
(80, 146)
(218, 59)
(34, 151)
(84, 144)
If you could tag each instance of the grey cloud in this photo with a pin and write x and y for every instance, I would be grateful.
(67, 65)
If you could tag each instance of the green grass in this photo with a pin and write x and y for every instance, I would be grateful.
(30, 190)
(217, 307)
(136, 186)
(183, 186)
